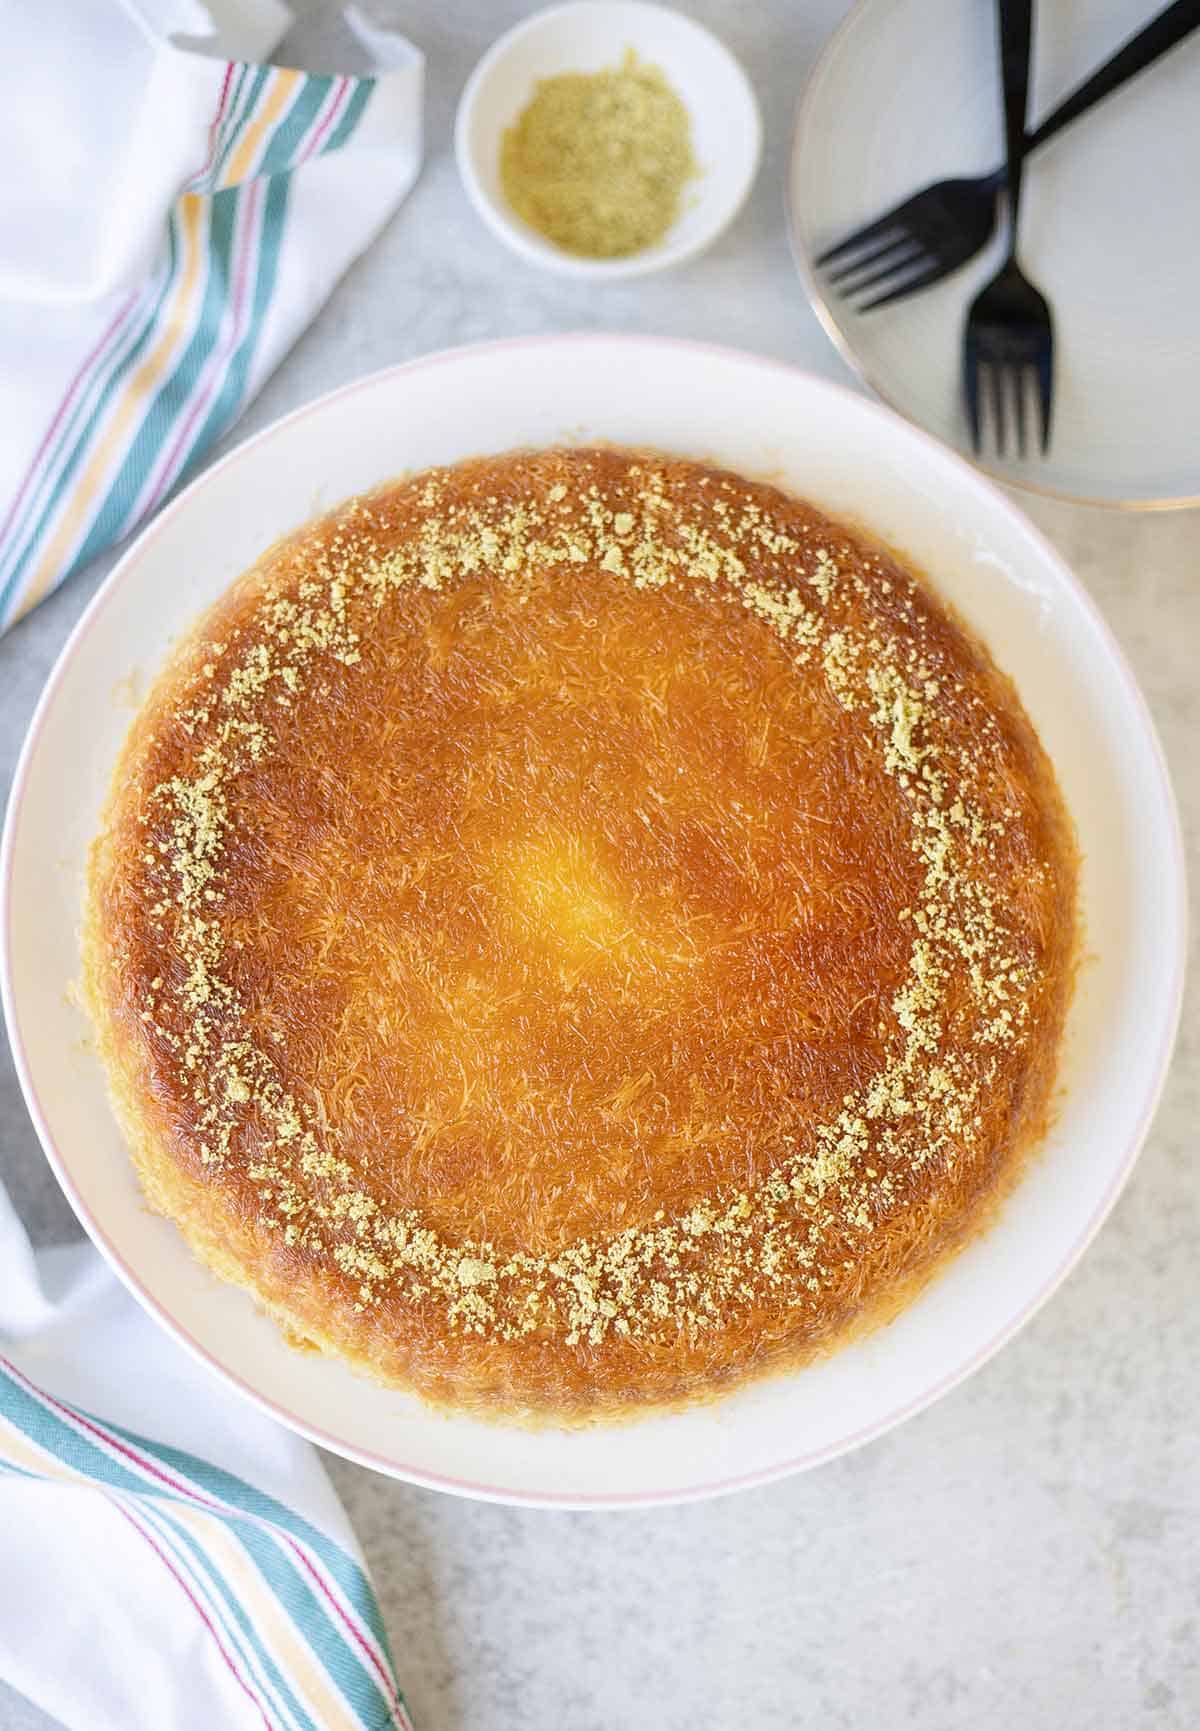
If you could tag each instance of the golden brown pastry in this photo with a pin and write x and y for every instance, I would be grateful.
(578, 929)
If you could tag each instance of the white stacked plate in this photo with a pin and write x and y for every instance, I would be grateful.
(854, 459)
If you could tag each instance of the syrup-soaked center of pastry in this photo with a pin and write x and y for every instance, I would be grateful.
(569, 904)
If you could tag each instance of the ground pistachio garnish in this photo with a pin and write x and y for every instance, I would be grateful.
(921, 1106)
(598, 161)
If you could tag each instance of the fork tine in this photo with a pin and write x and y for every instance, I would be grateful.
(998, 415)
(1044, 368)
(1019, 382)
(861, 237)
(909, 286)
(861, 261)
(971, 388)
(902, 259)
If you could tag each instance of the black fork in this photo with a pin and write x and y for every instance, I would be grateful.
(1009, 340)
(925, 237)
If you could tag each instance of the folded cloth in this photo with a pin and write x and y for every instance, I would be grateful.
(171, 1558)
(171, 215)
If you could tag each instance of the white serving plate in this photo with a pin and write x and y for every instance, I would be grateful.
(907, 92)
(854, 459)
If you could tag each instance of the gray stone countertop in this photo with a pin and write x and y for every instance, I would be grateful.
(1027, 1552)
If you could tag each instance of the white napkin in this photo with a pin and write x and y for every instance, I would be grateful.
(172, 1560)
(171, 215)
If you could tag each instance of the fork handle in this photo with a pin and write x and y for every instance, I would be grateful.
(1170, 26)
(1015, 19)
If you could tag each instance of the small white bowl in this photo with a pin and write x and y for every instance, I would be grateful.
(587, 36)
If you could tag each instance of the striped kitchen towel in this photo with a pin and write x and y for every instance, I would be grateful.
(172, 213)
(180, 1561)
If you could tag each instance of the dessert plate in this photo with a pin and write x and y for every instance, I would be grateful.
(907, 92)
(847, 455)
